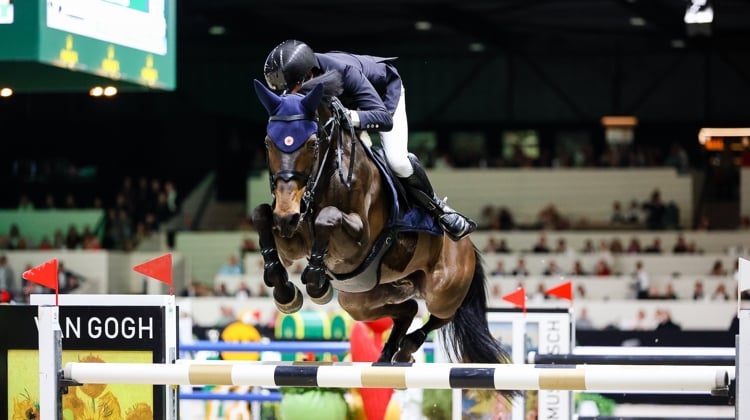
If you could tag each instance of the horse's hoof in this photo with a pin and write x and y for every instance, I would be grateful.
(325, 298)
(292, 306)
(403, 357)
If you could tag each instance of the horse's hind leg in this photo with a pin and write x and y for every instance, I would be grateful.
(402, 314)
(286, 295)
(414, 340)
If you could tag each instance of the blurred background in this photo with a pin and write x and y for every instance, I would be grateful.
(483, 79)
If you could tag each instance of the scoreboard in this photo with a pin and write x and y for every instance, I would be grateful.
(127, 41)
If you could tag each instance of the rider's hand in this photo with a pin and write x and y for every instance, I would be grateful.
(354, 117)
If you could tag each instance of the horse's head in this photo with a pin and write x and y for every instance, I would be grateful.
(292, 148)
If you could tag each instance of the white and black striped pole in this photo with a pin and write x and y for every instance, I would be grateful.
(655, 378)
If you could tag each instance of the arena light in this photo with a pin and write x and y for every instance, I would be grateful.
(698, 17)
(707, 133)
(6, 92)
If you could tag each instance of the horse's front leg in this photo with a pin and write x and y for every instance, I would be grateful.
(314, 276)
(286, 295)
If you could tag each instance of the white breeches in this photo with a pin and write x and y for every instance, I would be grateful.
(396, 141)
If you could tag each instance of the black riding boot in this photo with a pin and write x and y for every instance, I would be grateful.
(418, 186)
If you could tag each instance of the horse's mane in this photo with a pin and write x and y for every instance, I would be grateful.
(331, 81)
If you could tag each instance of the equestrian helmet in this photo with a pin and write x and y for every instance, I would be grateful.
(288, 64)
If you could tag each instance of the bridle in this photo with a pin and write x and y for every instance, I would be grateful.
(324, 138)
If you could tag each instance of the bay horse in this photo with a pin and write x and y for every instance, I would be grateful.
(335, 205)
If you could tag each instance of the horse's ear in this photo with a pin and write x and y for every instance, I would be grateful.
(268, 98)
(312, 99)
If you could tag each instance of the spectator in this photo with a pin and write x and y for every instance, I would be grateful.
(242, 291)
(502, 247)
(641, 281)
(618, 215)
(578, 269)
(263, 290)
(45, 244)
(671, 216)
(699, 293)
(70, 201)
(681, 246)
(670, 293)
(7, 277)
(550, 218)
(552, 269)
(562, 246)
(72, 282)
(720, 293)
(602, 268)
(173, 204)
(161, 211)
(14, 236)
(717, 269)
(499, 269)
(489, 218)
(655, 210)
(68, 280)
(640, 323)
(49, 202)
(541, 247)
(677, 158)
(520, 268)
(492, 245)
(588, 247)
(248, 246)
(633, 214)
(232, 266)
(540, 294)
(496, 292)
(634, 246)
(505, 219)
(665, 322)
(72, 238)
(222, 290)
(25, 203)
(616, 247)
(654, 247)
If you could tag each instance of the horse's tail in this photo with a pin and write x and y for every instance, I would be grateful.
(468, 335)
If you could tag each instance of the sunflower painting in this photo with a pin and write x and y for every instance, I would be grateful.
(85, 402)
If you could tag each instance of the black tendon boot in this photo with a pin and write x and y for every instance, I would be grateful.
(418, 186)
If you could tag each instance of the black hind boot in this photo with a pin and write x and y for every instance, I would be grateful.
(418, 186)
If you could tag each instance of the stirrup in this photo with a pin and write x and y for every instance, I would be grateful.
(456, 226)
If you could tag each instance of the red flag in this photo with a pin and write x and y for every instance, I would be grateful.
(563, 291)
(159, 268)
(517, 298)
(45, 274)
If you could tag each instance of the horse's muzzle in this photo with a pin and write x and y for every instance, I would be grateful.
(286, 224)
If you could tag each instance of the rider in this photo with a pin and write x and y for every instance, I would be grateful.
(374, 92)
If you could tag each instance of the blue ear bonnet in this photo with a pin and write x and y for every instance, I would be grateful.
(292, 117)
(290, 135)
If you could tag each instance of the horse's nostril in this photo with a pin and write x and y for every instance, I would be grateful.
(287, 223)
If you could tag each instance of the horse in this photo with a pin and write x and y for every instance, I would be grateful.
(335, 204)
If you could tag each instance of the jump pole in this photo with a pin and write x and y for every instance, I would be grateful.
(401, 376)
(633, 359)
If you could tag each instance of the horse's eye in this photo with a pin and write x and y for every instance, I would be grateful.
(268, 143)
(312, 145)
